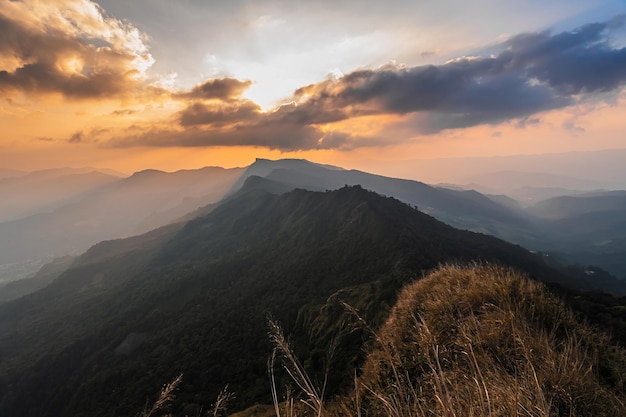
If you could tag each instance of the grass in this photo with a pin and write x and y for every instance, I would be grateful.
(160, 407)
(165, 398)
(477, 341)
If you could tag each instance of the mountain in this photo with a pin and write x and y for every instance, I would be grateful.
(508, 179)
(194, 297)
(588, 229)
(48, 273)
(570, 206)
(464, 209)
(43, 191)
(125, 207)
(529, 188)
(10, 173)
(154, 198)
(264, 167)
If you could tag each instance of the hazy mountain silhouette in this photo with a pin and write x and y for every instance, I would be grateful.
(569, 206)
(44, 191)
(503, 180)
(151, 198)
(125, 207)
(589, 229)
(11, 173)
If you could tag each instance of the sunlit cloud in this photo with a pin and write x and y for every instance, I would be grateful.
(69, 47)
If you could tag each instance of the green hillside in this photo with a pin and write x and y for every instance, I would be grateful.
(132, 314)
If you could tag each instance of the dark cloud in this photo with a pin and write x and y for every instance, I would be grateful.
(456, 95)
(124, 112)
(219, 115)
(312, 113)
(527, 121)
(581, 61)
(219, 89)
(42, 77)
(281, 136)
(529, 74)
(91, 136)
(77, 137)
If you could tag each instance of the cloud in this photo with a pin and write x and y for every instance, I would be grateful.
(124, 112)
(68, 47)
(77, 137)
(532, 73)
(45, 139)
(219, 115)
(526, 75)
(219, 89)
(581, 61)
(281, 136)
(93, 135)
(527, 121)
(571, 126)
(216, 115)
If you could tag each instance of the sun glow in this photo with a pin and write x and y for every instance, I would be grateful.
(73, 65)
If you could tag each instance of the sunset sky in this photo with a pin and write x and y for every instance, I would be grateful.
(164, 84)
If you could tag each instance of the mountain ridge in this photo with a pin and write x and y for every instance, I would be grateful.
(203, 292)
(149, 204)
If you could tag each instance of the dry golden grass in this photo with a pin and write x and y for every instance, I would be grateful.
(487, 341)
(166, 396)
(480, 341)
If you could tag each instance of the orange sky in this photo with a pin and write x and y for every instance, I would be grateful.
(79, 88)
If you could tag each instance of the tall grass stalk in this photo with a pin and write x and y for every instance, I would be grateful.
(314, 396)
(164, 399)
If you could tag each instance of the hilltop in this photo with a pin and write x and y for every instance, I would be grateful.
(480, 341)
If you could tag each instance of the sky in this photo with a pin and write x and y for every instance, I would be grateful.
(184, 84)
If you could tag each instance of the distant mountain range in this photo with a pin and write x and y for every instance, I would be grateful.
(10, 173)
(529, 188)
(45, 191)
(194, 297)
(95, 206)
(571, 239)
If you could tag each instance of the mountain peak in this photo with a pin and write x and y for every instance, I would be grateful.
(147, 173)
